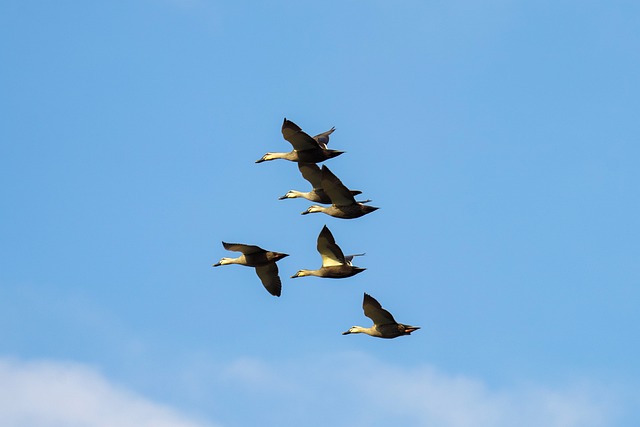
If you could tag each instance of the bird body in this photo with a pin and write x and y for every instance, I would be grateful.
(331, 272)
(384, 325)
(335, 265)
(343, 212)
(263, 261)
(306, 149)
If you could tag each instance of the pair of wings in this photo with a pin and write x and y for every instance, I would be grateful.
(339, 194)
(324, 181)
(268, 273)
(330, 252)
(301, 140)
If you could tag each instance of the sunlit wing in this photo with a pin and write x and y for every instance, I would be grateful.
(268, 274)
(330, 252)
(335, 189)
(239, 247)
(297, 137)
(311, 172)
(374, 311)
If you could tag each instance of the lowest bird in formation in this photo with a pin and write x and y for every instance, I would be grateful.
(306, 149)
(384, 325)
(334, 264)
(263, 261)
(343, 203)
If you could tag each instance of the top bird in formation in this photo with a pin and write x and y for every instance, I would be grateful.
(306, 149)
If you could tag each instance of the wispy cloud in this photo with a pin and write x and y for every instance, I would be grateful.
(50, 394)
(356, 390)
(432, 398)
(351, 390)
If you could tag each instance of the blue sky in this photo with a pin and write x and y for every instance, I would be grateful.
(499, 139)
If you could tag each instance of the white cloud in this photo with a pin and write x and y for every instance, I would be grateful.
(50, 394)
(356, 390)
(435, 399)
(351, 390)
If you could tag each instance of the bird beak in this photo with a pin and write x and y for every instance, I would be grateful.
(283, 197)
(260, 160)
(346, 333)
(294, 276)
(411, 329)
(304, 213)
(216, 264)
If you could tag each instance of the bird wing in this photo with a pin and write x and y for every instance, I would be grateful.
(323, 138)
(268, 274)
(349, 258)
(311, 172)
(374, 311)
(245, 249)
(297, 137)
(335, 189)
(330, 252)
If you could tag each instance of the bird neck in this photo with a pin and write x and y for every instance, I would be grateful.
(302, 273)
(273, 156)
(315, 208)
(226, 261)
(292, 194)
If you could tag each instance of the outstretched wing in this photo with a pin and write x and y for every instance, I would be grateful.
(349, 258)
(374, 311)
(311, 172)
(239, 247)
(330, 252)
(297, 137)
(268, 274)
(323, 138)
(335, 189)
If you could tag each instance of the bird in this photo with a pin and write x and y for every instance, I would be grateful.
(263, 261)
(334, 264)
(306, 149)
(384, 325)
(312, 173)
(343, 203)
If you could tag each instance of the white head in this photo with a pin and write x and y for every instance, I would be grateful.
(313, 209)
(271, 156)
(301, 273)
(354, 330)
(291, 194)
(224, 261)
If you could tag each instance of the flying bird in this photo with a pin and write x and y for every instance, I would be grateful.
(384, 325)
(335, 264)
(263, 261)
(312, 173)
(343, 203)
(306, 149)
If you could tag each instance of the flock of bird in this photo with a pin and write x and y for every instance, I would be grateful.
(329, 190)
